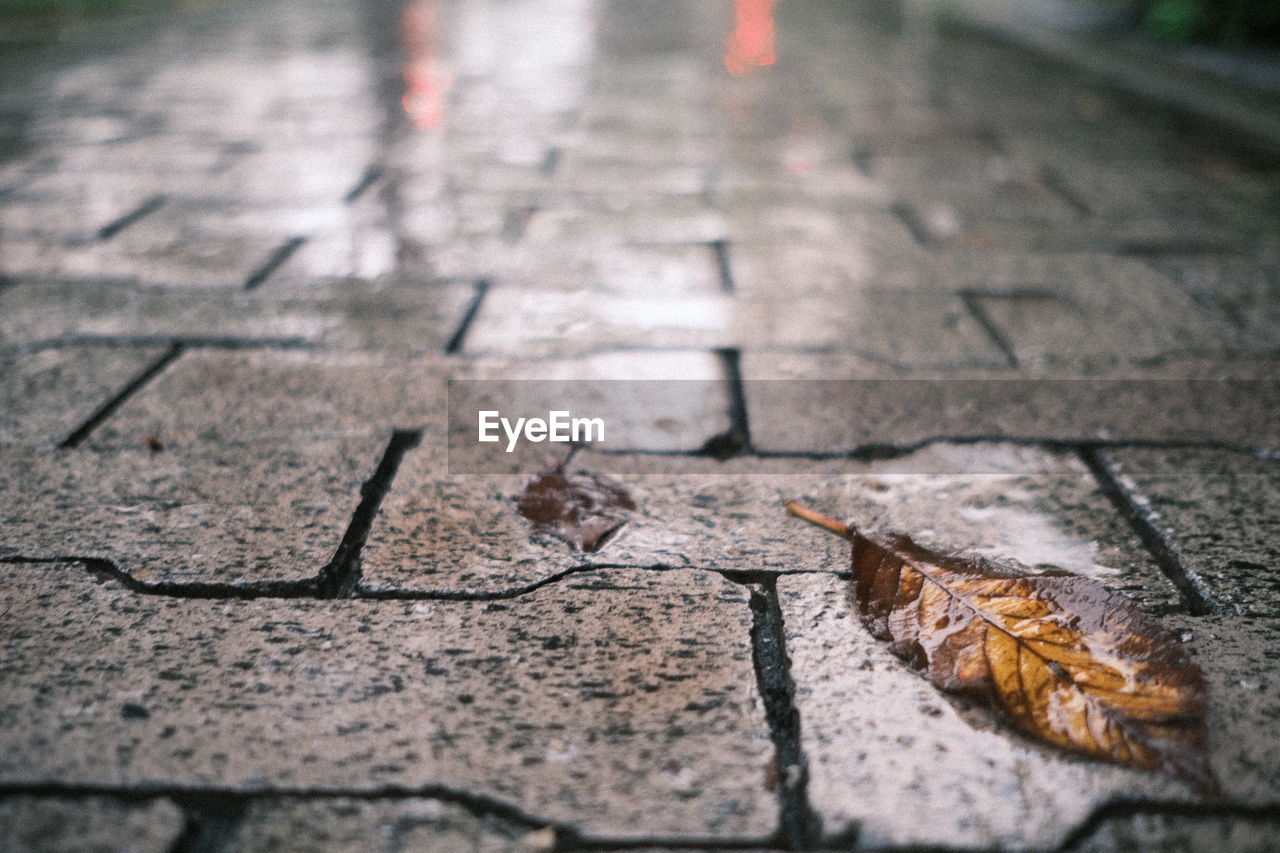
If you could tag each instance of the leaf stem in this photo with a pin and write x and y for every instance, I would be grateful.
(826, 522)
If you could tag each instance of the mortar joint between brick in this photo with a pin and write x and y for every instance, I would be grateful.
(459, 337)
(1132, 508)
(799, 827)
(340, 577)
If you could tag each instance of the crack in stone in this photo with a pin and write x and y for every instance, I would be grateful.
(228, 806)
(310, 588)
(225, 802)
(1135, 510)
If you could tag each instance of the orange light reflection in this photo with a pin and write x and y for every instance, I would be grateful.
(426, 83)
(750, 46)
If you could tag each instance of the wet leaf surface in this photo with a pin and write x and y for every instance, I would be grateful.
(579, 507)
(1065, 659)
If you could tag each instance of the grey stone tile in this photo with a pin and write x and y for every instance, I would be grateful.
(38, 824)
(930, 330)
(1092, 326)
(978, 185)
(1238, 658)
(280, 175)
(210, 397)
(674, 401)
(461, 534)
(34, 311)
(1128, 186)
(521, 321)
(670, 401)
(812, 268)
(898, 327)
(591, 722)
(412, 823)
(1218, 511)
(876, 732)
(1245, 289)
(240, 515)
(47, 394)
(854, 404)
(635, 271)
(642, 178)
(388, 316)
(405, 319)
(567, 218)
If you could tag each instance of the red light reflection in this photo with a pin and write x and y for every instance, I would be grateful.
(426, 83)
(751, 44)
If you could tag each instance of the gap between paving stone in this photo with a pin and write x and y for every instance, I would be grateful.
(1142, 519)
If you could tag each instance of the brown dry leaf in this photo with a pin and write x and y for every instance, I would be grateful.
(1066, 659)
(576, 506)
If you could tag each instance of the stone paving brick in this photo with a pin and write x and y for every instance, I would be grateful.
(1090, 327)
(879, 737)
(854, 404)
(342, 824)
(779, 219)
(1245, 289)
(35, 311)
(1129, 186)
(46, 824)
(675, 401)
(526, 322)
(930, 330)
(271, 396)
(624, 270)
(461, 534)
(48, 393)
(597, 724)
(408, 319)
(568, 218)
(1218, 510)
(393, 317)
(158, 253)
(240, 515)
(909, 328)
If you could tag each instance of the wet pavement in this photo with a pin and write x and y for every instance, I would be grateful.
(254, 598)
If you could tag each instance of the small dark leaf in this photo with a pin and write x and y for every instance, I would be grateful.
(578, 507)
(1065, 659)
